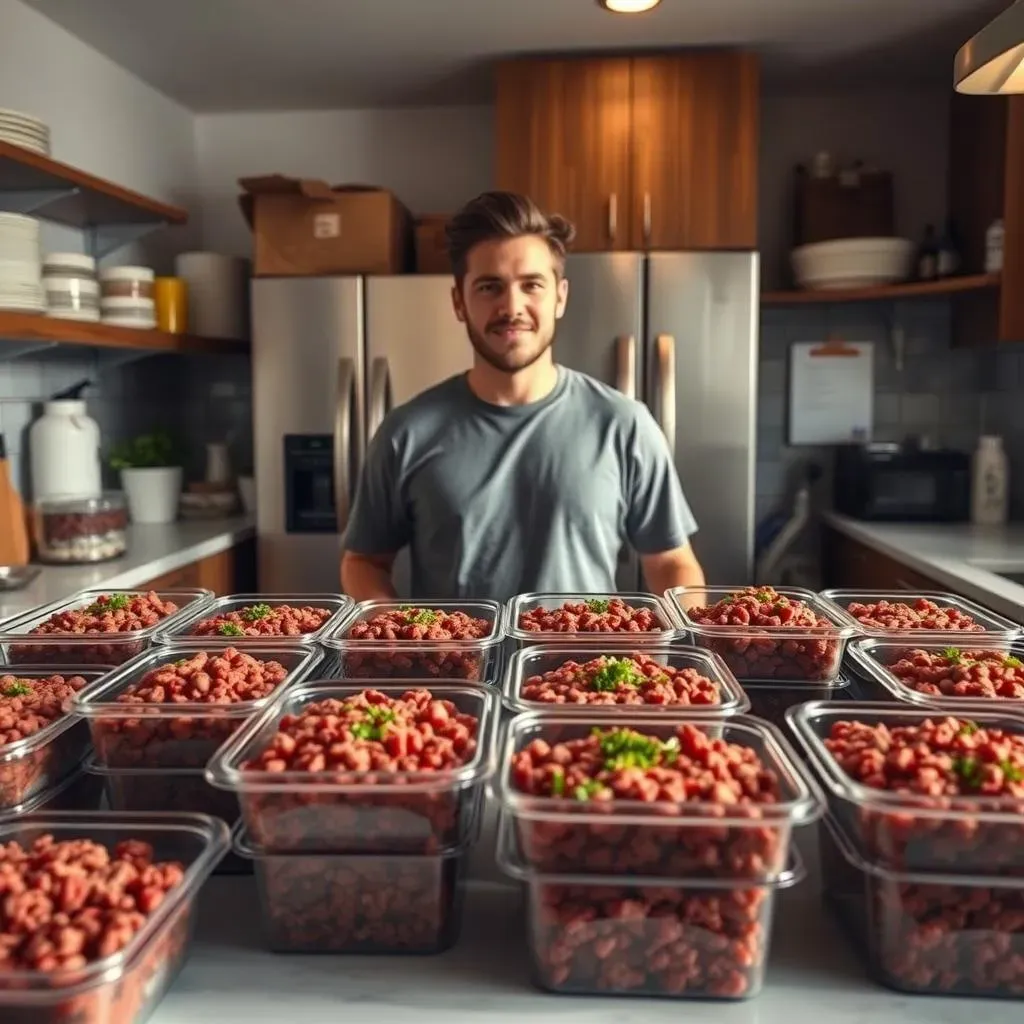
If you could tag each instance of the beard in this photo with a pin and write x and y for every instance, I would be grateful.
(510, 358)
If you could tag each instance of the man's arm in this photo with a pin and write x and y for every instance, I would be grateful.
(675, 568)
(379, 525)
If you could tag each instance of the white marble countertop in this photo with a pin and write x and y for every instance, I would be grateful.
(152, 551)
(230, 978)
(966, 558)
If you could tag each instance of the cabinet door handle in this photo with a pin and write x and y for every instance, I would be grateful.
(346, 385)
(613, 216)
(647, 216)
(625, 365)
(665, 354)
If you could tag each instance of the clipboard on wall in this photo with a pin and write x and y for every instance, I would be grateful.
(831, 392)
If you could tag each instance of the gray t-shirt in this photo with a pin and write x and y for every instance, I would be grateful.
(502, 500)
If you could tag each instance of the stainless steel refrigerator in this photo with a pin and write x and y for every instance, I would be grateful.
(331, 356)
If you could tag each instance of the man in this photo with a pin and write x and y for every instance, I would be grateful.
(520, 475)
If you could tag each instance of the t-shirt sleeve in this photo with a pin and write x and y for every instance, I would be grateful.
(379, 522)
(658, 517)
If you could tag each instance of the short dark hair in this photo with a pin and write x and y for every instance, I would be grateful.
(495, 215)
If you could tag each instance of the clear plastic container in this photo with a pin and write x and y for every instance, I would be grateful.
(875, 659)
(359, 903)
(472, 660)
(762, 653)
(996, 628)
(126, 987)
(38, 762)
(530, 602)
(927, 933)
(689, 938)
(622, 837)
(80, 531)
(19, 645)
(359, 812)
(182, 630)
(913, 832)
(183, 735)
(80, 791)
(771, 701)
(535, 661)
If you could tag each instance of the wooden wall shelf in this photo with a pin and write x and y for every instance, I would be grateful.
(64, 194)
(29, 327)
(884, 293)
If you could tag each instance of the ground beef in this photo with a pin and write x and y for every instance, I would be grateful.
(690, 773)
(28, 705)
(598, 615)
(364, 739)
(921, 614)
(258, 620)
(637, 679)
(957, 673)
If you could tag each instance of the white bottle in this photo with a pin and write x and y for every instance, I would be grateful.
(994, 240)
(65, 452)
(990, 484)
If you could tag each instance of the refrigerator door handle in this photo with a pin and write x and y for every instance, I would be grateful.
(665, 363)
(343, 439)
(625, 365)
(647, 216)
(613, 216)
(380, 395)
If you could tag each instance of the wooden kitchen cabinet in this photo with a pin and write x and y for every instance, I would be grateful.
(986, 182)
(229, 572)
(654, 152)
(851, 565)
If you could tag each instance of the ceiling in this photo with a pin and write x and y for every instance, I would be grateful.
(220, 55)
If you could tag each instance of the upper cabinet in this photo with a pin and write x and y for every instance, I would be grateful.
(986, 183)
(641, 153)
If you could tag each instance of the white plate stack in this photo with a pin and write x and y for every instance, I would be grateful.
(25, 131)
(21, 285)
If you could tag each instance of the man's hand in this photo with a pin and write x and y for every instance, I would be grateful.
(367, 577)
(677, 567)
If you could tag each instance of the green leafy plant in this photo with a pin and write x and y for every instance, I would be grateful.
(147, 451)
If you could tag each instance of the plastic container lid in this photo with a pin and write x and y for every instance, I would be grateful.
(69, 261)
(109, 501)
(127, 273)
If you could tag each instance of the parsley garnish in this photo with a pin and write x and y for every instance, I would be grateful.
(558, 782)
(765, 594)
(18, 688)
(968, 728)
(111, 603)
(614, 673)
(418, 616)
(626, 748)
(256, 612)
(180, 662)
(230, 629)
(952, 654)
(969, 769)
(586, 790)
(1011, 662)
(377, 718)
(1011, 772)
(597, 606)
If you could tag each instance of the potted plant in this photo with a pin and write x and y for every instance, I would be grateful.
(151, 475)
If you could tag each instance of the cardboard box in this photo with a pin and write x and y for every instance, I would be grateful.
(431, 251)
(302, 227)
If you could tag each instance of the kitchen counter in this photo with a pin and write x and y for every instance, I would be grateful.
(230, 978)
(152, 551)
(965, 558)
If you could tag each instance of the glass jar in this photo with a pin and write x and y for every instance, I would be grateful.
(80, 530)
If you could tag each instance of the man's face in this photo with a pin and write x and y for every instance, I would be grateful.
(509, 300)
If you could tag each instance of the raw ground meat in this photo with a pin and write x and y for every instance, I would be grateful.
(957, 673)
(920, 614)
(598, 615)
(259, 620)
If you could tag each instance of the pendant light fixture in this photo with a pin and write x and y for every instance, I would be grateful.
(992, 62)
(628, 6)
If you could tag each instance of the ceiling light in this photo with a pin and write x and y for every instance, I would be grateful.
(992, 62)
(628, 6)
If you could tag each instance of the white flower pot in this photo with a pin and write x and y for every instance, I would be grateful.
(153, 494)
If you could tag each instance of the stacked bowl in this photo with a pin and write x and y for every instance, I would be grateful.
(25, 131)
(21, 287)
(72, 290)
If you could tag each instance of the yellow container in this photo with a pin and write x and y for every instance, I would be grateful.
(170, 296)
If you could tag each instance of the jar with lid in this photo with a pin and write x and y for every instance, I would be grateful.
(80, 530)
(127, 283)
(64, 452)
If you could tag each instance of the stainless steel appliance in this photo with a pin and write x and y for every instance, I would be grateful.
(332, 355)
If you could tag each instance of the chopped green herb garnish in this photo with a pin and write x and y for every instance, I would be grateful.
(1011, 772)
(419, 616)
(1011, 662)
(230, 629)
(626, 748)
(558, 782)
(256, 612)
(952, 654)
(968, 728)
(615, 672)
(969, 769)
(17, 689)
(586, 790)
(180, 662)
(597, 606)
(113, 603)
(373, 728)
(764, 595)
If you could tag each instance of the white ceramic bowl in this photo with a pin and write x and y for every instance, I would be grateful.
(852, 262)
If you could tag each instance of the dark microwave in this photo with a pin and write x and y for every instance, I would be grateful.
(889, 482)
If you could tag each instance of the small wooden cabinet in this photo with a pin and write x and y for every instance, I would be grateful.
(641, 153)
(986, 182)
(229, 572)
(851, 565)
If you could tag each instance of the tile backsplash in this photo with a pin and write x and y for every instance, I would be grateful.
(949, 395)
